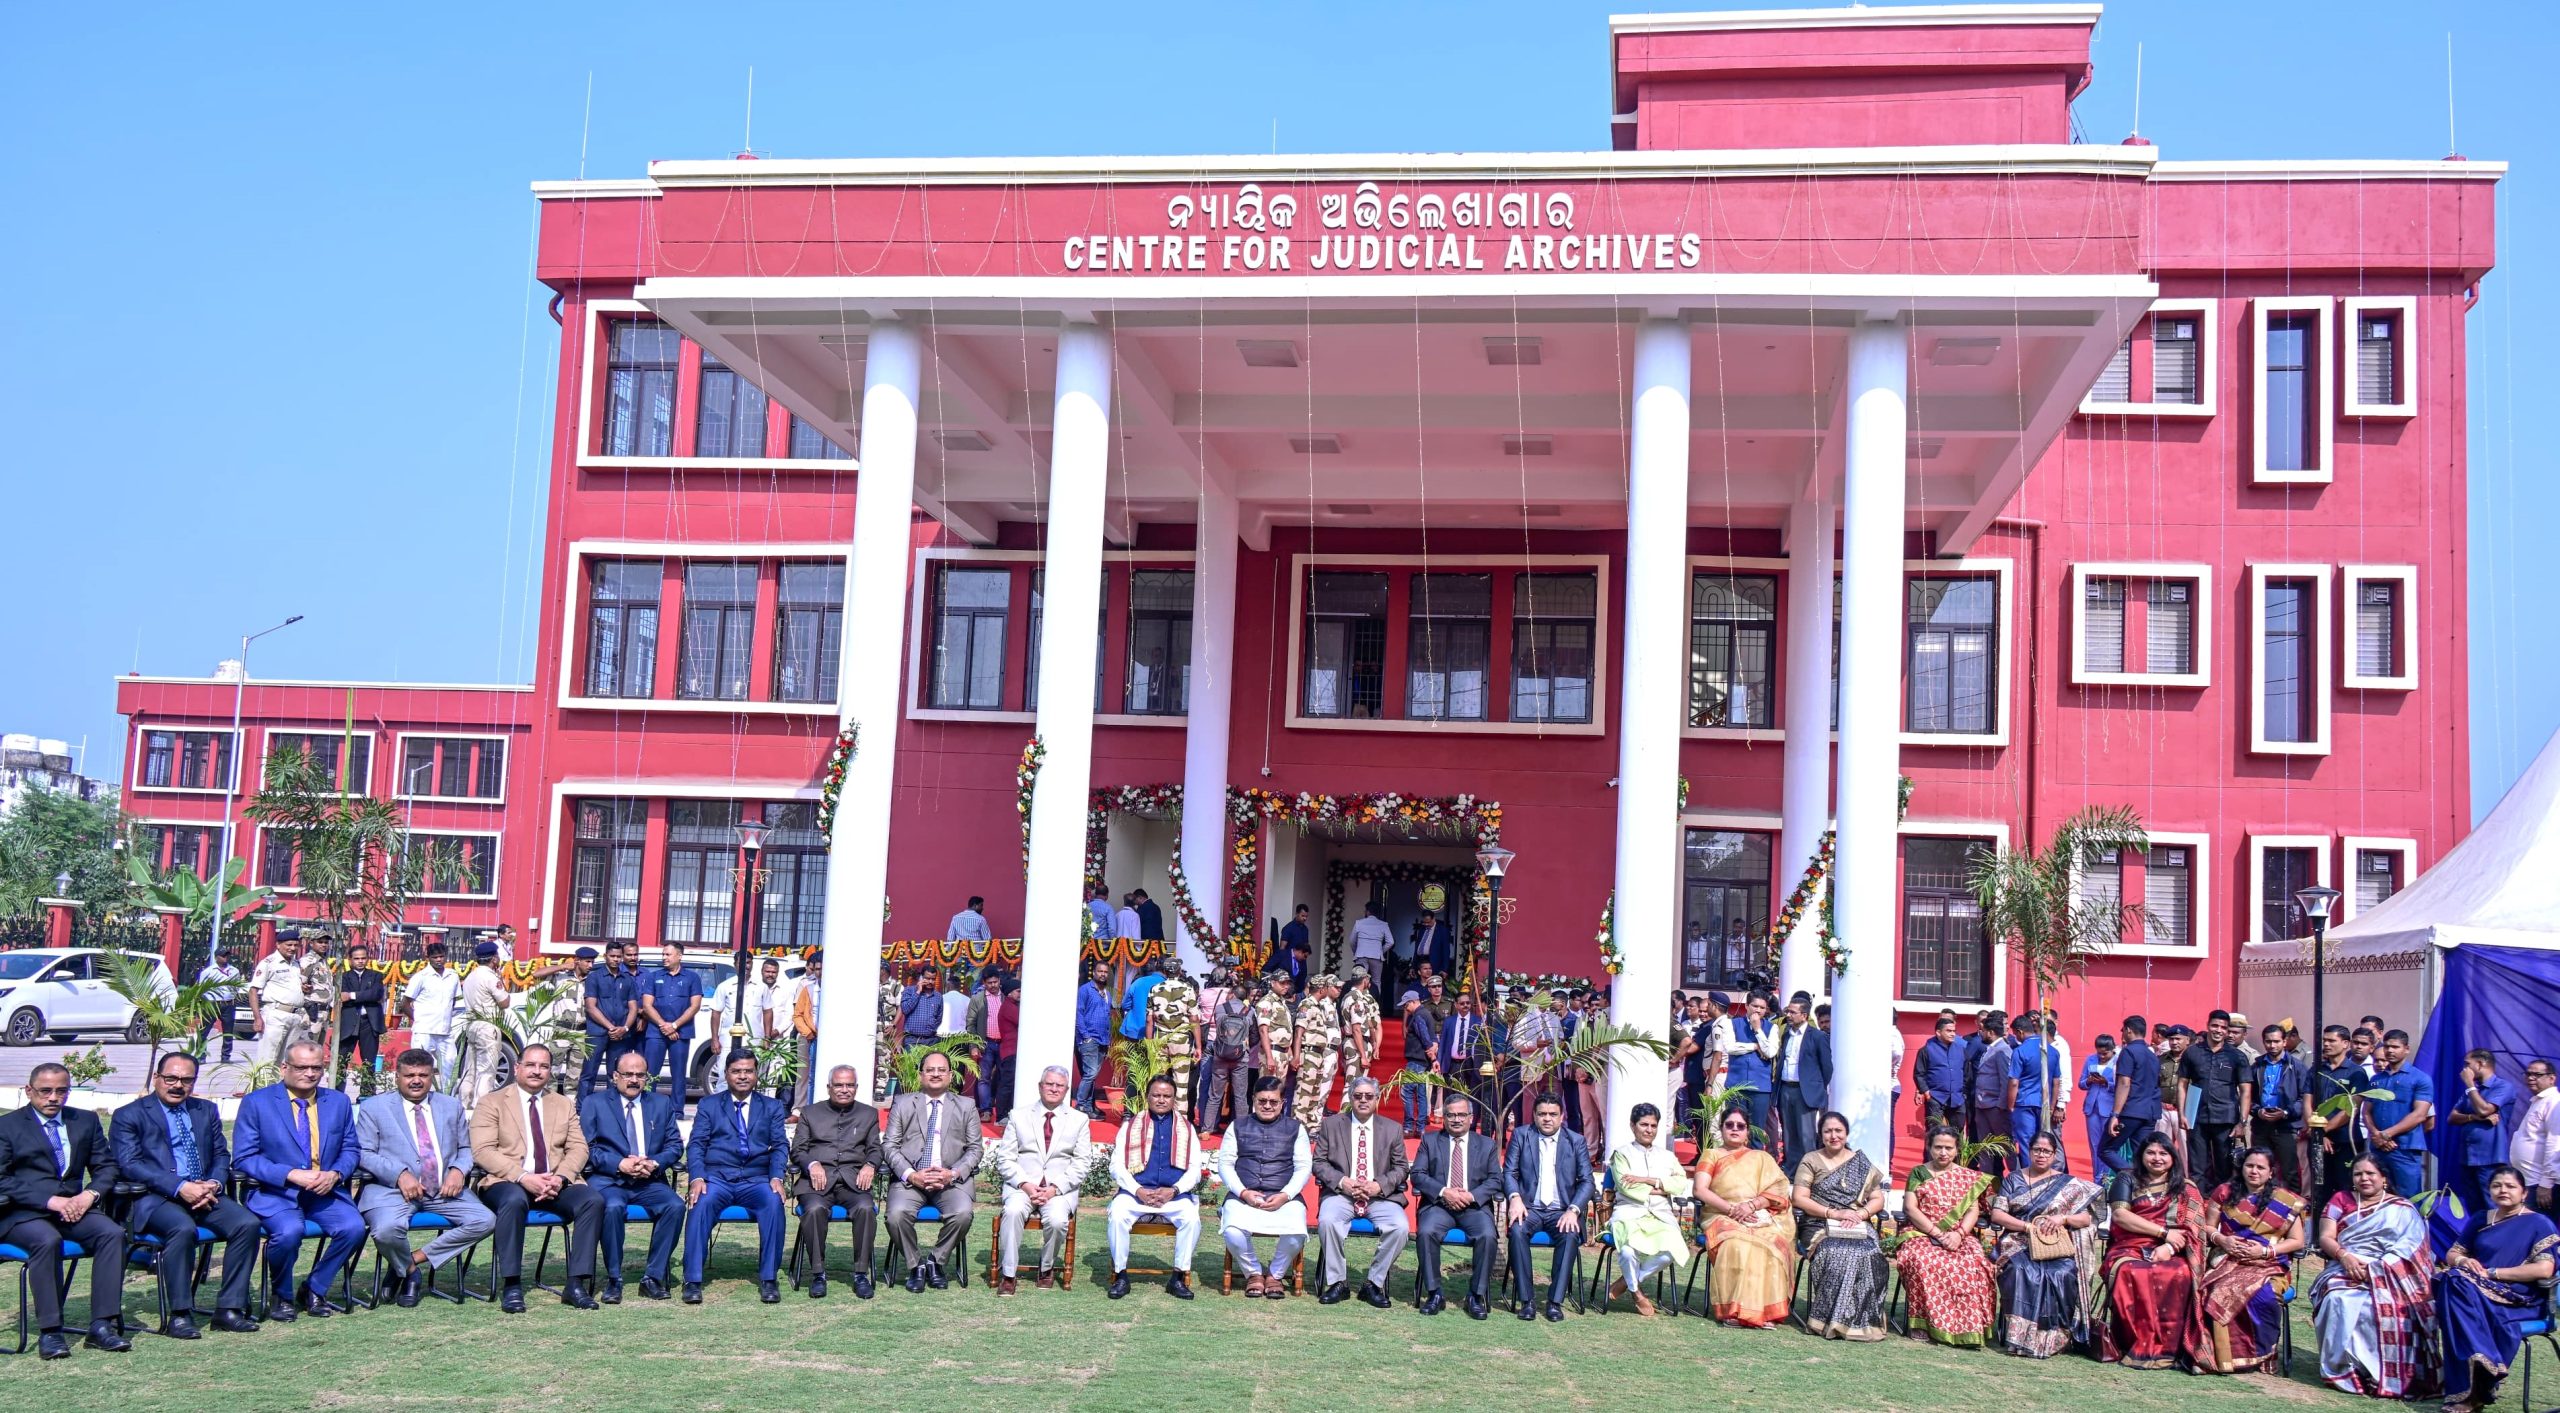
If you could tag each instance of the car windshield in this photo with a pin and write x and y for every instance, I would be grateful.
(18, 966)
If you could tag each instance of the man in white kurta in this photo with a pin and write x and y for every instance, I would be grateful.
(1158, 1163)
(1264, 1165)
(1042, 1157)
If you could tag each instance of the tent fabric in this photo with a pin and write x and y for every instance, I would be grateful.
(2505, 1000)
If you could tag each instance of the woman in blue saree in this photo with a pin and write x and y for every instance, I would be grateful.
(2492, 1281)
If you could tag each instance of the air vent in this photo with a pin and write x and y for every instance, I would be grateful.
(1503, 351)
(1963, 353)
(962, 440)
(1347, 508)
(1528, 446)
(1924, 448)
(1322, 444)
(1268, 353)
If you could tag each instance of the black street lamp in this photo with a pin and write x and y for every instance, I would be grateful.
(750, 884)
(2317, 902)
(1493, 861)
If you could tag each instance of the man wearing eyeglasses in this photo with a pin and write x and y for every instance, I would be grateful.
(172, 1144)
(296, 1141)
(54, 1168)
(2535, 1150)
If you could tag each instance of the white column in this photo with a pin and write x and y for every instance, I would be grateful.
(1204, 744)
(1806, 791)
(1071, 588)
(1653, 661)
(1871, 625)
(868, 678)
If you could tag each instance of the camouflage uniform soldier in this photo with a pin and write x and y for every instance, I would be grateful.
(1173, 1016)
(1271, 1047)
(1318, 1043)
(1360, 1022)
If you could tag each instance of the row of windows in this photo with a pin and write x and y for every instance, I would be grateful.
(431, 767)
(716, 638)
(450, 865)
(645, 362)
(698, 894)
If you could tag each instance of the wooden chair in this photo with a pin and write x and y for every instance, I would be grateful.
(1297, 1276)
(1067, 1264)
(1148, 1226)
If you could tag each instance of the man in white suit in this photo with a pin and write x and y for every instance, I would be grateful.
(1043, 1155)
(416, 1146)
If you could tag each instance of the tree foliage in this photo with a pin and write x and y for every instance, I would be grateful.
(355, 865)
(50, 834)
(185, 889)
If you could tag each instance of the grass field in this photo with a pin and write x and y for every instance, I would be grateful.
(1067, 1350)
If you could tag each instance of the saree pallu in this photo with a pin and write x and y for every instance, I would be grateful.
(2378, 1336)
(2150, 1319)
(2242, 1297)
(1844, 1265)
(2045, 1300)
(1750, 1278)
(2482, 1319)
(1951, 1291)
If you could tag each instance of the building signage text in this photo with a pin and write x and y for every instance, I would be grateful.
(1366, 229)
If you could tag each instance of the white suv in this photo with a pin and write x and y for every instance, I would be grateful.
(63, 992)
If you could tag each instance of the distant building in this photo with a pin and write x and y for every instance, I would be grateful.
(27, 763)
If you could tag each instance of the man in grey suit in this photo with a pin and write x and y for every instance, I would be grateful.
(934, 1146)
(416, 1148)
(1360, 1165)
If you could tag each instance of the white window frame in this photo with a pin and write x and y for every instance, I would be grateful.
(2323, 867)
(1993, 832)
(2208, 314)
(239, 745)
(400, 754)
(2324, 384)
(497, 844)
(1740, 566)
(209, 826)
(591, 375)
(257, 870)
(920, 631)
(2404, 305)
(574, 592)
(649, 792)
(2355, 844)
(2406, 605)
(2201, 575)
(2005, 584)
(365, 787)
(2324, 634)
(2199, 905)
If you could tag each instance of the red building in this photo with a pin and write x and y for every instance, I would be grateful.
(1498, 476)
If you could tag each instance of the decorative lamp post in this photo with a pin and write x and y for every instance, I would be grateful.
(750, 883)
(2317, 903)
(1493, 861)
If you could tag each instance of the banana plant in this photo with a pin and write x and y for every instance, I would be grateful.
(184, 889)
(168, 1012)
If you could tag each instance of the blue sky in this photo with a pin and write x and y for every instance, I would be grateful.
(276, 349)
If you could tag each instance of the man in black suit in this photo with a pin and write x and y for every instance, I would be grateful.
(1804, 1078)
(173, 1145)
(1548, 1178)
(1466, 1042)
(47, 1153)
(835, 1155)
(1459, 1174)
(631, 1142)
(1150, 917)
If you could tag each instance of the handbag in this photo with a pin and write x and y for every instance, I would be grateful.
(2041, 1248)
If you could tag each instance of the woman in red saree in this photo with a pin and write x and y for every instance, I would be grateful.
(2154, 1245)
(1940, 1257)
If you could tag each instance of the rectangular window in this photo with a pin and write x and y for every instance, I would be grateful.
(808, 631)
(2102, 625)
(810, 444)
(456, 865)
(2378, 358)
(2114, 386)
(732, 416)
(2377, 628)
(1346, 646)
(1449, 647)
(2177, 364)
(186, 760)
(604, 869)
(2100, 884)
(1159, 642)
(2282, 872)
(702, 861)
(322, 749)
(453, 768)
(2377, 876)
(792, 910)
(1031, 642)
(1725, 905)
(1733, 627)
(1554, 626)
(167, 848)
(1953, 646)
(2292, 404)
(969, 612)
(279, 862)
(640, 386)
(2165, 366)
(2169, 627)
(2169, 892)
(1946, 949)
(2287, 688)
(712, 656)
(622, 627)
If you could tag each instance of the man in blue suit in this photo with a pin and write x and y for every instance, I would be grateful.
(416, 1146)
(1804, 1077)
(296, 1143)
(631, 1142)
(738, 1156)
(1548, 1178)
(173, 1145)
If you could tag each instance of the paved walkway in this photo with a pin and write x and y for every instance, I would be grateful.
(132, 1067)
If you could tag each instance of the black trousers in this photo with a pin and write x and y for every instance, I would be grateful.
(1534, 1220)
(860, 1212)
(1991, 1121)
(1795, 1118)
(1477, 1223)
(575, 1203)
(2209, 1154)
(617, 1197)
(42, 1235)
(2279, 1139)
(235, 1226)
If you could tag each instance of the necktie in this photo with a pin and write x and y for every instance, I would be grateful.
(743, 1152)
(631, 1117)
(188, 1157)
(1360, 1154)
(933, 1133)
(310, 1111)
(1461, 1046)
(533, 1126)
(1048, 1131)
(1458, 1164)
(426, 1140)
(61, 1155)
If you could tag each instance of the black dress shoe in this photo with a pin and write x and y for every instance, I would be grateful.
(1335, 1293)
(612, 1293)
(234, 1322)
(693, 1292)
(933, 1275)
(1119, 1286)
(1178, 1286)
(1432, 1304)
(51, 1345)
(1555, 1312)
(413, 1288)
(316, 1305)
(818, 1286)
(653, 1287)
(104, 1335)
(182, 1325)
(1527, 1312)
(1475, 1309)
(770, 1292)
(1373, 1297)
(862, 1286)
(511, 1300)
(915, 1279)
(280, 1308)
(574, 1295)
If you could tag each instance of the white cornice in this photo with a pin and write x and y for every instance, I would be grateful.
(2327, 170)
(1854, 17)
(308, 682)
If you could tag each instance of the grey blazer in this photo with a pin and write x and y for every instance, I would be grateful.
(962, 1142)
(388, 1149)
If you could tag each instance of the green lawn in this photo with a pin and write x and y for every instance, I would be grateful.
(1067, 1350)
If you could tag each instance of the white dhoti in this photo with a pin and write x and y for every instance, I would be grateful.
(1127, 1211)
(1239, 1224)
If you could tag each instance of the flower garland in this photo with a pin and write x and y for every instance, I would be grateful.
(831, 779)
(1007, 952)
(1791, 914)
(1026, 778)
(1612, 960)
(1456, 817)
(1161, 801)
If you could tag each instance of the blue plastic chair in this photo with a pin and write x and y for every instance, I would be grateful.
(791, 1263)
(960, 1256)
(2545, 1327)
(344, 1301)
(426, 1221)
(1457, 1237)
(1593, 1298)
(71, 1254)
(1545, 1241)
(143, 1251)
(549, 1222)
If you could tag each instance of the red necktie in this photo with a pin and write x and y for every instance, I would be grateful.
(541, 1147)
(1048, 1131)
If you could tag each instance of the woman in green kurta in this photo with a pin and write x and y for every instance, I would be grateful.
(1644, 1227)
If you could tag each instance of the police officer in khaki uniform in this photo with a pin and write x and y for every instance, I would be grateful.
(484, 1002)
(1173, 1016)
(279, 989)
(1317, 1045)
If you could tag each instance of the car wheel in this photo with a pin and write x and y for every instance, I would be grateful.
(699, 1079)
(137, 1031)
(506, 1064)
(26, 1027)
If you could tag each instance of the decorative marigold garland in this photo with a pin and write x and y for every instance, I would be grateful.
(1612, 960)
(1791, 914)
(831, 780)
(1026, 778)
